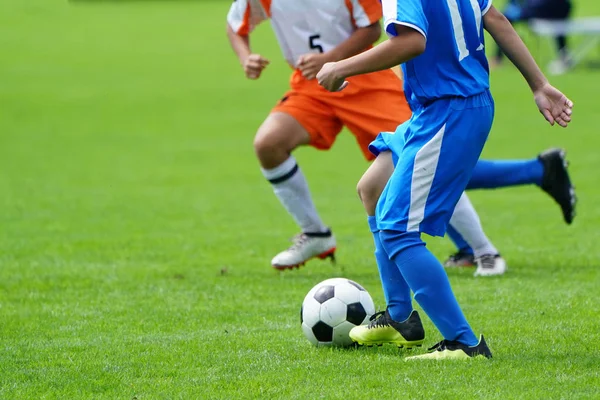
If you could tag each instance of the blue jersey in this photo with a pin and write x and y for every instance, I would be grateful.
(454, 62)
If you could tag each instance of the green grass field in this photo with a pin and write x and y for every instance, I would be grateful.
(136, 229)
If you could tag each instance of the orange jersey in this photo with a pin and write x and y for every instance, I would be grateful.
(305, 26)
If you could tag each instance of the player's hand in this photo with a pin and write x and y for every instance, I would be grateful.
(254, 65)
(329, 78)
(310, 64)
(553, 105)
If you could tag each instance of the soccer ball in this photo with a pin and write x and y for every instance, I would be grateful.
(332, 308)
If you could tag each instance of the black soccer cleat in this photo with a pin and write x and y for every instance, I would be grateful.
(453, 350)
(460, 259)
(556, 182)
(382, 329)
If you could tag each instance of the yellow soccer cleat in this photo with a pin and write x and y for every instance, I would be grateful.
(382, 329)
(453, 350)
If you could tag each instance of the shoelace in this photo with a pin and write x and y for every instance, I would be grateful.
(443, 345)
(298, 241)
(488, 261)
(378, 319)
(438, 346)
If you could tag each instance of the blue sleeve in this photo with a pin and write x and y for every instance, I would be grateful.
(405, 12)
(485, 5)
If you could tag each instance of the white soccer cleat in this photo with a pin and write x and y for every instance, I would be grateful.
(305, 247)
(490, 265)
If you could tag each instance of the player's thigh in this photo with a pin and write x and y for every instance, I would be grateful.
(300, 119)
(377, 175)
(386, 147)
(371, 184)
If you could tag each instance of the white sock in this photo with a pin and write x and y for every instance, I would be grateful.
(291, 189)
(466, 222)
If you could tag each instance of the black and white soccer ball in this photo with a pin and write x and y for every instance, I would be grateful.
(332, 308)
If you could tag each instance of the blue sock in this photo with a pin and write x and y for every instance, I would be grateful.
(496, 174)
(395, 288)
(460, 243)
(428, 280)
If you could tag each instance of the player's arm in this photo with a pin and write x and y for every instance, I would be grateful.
(551, 102)
(239, 26)
(239, 43)
(514, 48)
(361, 38)
(405, 45)
(253, 64)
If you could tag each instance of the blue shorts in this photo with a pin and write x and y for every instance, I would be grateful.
(434, 153)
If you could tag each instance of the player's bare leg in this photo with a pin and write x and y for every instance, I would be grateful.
(371, 184)
(277, 137)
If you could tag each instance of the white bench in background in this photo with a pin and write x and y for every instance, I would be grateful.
(587, 27)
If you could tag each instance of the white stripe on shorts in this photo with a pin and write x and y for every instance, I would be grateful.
(426, 161)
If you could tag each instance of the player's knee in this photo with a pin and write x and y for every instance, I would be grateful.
(271, 148)
(261, 144)
(267, 143)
